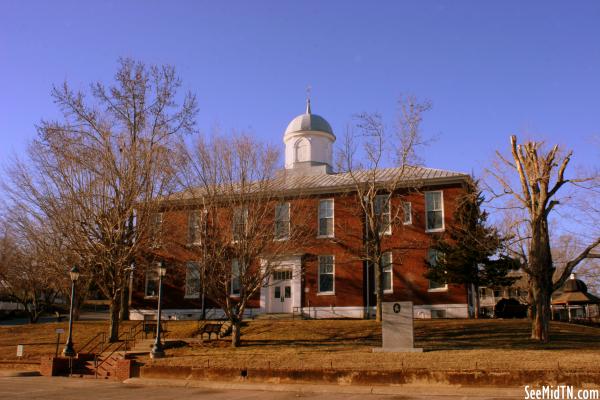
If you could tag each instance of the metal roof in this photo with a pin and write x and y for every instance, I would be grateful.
(289, 181)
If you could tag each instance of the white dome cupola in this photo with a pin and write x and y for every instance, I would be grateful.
(309, 143)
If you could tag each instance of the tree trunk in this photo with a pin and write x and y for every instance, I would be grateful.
(477, 305)
(113, 331)
(124, 309)
(236, 333)
(540, 322)
(77, 308)
(540, 263)
(379, 292)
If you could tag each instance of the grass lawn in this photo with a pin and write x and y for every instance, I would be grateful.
(448, 344)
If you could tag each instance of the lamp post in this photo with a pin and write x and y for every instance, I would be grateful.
(157, 349)
(69, 351)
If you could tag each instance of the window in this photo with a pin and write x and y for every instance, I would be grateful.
(240, 222)
(382, 213)
(326, 274)
(151, 283)
(302, 150)
(326, 218)
(407, 213)
(235, 278)
(433, 256)
(195, 224)
(282, 275)
(282, 221)
(388, 275)
(434, 206)
(192, 280)
(156, 221)
(438, 313)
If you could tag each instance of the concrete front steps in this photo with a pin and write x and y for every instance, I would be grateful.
(85, 365)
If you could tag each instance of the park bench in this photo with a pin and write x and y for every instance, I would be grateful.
(219, 329)
(149, 327)
(210, 328)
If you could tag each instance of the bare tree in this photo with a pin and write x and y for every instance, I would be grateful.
(95, 173)
(28, 272)
(366, 151)
(233, 182)
(541, 177)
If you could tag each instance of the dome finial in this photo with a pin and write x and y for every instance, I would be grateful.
(308, 88)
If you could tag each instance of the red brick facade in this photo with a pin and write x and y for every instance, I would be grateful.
(409, 245)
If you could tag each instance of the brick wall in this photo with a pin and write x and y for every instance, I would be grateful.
(409, 245)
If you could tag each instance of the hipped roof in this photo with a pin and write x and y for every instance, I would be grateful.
(292, 182)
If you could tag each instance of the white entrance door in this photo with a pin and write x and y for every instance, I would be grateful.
(281, 292)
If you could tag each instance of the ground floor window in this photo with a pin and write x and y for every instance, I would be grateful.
(192, 280)
(326, 274)
(433, 256)
(388, 272)
(235, 278)
(151, 287)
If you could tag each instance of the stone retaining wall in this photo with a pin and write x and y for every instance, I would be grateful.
(398, 377)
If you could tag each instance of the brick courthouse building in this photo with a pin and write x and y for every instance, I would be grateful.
(325, 278)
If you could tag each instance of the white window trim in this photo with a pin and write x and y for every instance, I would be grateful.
(388, 231)
(233, 225)
(282, 239)
(231, 294)
(186, 295)
(410, 221)
(443, 211)
(156, 230)
(391, 290)
(319, 236)
(146, 295)
(438, 289)
(194, 216)
(319, 292)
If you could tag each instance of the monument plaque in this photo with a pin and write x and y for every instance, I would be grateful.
(397, 328)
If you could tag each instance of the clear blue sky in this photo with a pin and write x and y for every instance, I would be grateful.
(490, 68)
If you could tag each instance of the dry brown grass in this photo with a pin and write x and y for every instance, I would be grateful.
(448, 344)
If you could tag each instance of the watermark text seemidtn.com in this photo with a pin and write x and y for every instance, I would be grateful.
(560, 392)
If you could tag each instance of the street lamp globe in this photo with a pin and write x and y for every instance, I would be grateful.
(74, 274)
(162, 270)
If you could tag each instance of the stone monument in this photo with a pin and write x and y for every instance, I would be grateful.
(397, 328)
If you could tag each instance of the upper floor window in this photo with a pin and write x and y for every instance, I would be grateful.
(407, 213)
(240, 222)
(151, 286)
(434, 207)
(282, 221)
(302, 150)
(326, 274)
(433, 256)
(156, 221)
(192, 280)
(388, 272)
(326, 218)
(382, 213)
(235, 278)
(195, 223)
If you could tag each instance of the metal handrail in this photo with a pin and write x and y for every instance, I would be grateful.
(96, 365)
(90, 341)
(100, 343)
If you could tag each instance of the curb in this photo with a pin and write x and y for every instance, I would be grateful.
(13, 374)
(436, 390)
